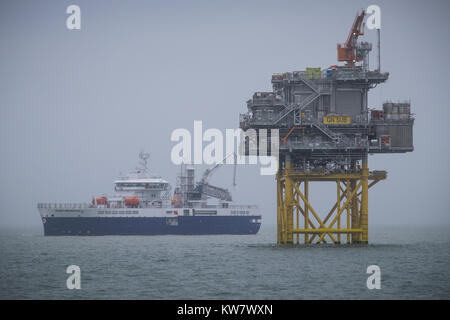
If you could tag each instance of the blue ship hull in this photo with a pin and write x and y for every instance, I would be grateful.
(182, 225)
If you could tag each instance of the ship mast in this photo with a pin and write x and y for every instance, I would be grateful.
(143, 156)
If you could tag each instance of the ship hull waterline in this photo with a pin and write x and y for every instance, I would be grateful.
(182, 225)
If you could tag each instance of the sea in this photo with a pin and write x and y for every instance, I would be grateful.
(413, 263)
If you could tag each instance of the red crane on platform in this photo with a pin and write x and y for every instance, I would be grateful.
(347, 51)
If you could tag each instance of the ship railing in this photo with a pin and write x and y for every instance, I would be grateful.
(236, 206)
(64, 205)
(232, 206)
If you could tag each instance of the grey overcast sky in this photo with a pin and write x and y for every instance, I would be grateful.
(76, 107)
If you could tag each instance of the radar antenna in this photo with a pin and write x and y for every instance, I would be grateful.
(143, 156)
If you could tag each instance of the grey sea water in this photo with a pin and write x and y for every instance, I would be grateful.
(414, 264)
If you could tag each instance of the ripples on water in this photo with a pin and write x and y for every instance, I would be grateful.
(414, 264)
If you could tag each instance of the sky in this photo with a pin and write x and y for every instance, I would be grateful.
(77, 106)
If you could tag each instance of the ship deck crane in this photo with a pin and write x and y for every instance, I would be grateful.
(209, 172)
(220, 193)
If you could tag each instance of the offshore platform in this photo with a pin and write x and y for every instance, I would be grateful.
(327, 130)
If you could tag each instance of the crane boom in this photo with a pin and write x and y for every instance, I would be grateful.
(205, 188)
(347, 51)
(209, 172)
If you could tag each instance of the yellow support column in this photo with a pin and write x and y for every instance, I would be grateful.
(364, 202)
(306, 182)
(338, 202)
(348, 226)
(297, 211)
(289, 204)
(354, 211)
(279, 211)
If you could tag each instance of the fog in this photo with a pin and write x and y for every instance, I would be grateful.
(77, 106)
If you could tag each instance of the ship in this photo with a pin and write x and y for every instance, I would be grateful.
(144, 204)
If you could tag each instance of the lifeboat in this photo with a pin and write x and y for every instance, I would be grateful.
(132, 202)
(101, 200)
(176, 200)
